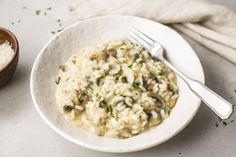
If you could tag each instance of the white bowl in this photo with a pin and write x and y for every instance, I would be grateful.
(96, 30)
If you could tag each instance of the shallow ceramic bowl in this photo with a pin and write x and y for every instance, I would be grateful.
(86, 33)
(7, 72)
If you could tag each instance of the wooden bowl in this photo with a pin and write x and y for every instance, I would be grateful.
(7, 72)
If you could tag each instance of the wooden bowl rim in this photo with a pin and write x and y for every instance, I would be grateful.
(16, 48)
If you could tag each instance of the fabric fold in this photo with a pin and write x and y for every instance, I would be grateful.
(211, 25)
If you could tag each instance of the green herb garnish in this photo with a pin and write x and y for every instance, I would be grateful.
(102, 104)
(136, 84)
(81, 97)
(67, 108)
(24, 7)
(49, 8)
(59, 30)
(74, 61)
(225, 123)
(110, 109)
(162, 72)
(58, 80)
(37, 12)
(219, 119)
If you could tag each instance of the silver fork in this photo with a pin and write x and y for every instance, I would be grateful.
(219, 105)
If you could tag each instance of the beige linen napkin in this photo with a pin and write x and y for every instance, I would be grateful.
(211, 25)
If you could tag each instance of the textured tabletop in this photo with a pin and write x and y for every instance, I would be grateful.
(22, 131)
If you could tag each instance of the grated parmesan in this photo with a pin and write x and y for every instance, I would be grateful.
(6, 53)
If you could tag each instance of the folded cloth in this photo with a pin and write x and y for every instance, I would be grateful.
(211, 25)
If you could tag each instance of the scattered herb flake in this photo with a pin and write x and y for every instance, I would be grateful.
(81, 97)
(71, 8)
(136, 84)
(37, 12)
(24, 7)
(102, 104)
(58, 20)
(59, 30)
(12, 23)
(180, 153)
(225, 123)
(74, 61)
(219, 119)
(161, 72)
(110, 109)
(58, 80)
(49, 8)
(231, 121)
(45, 13)
(216, 124)
(52, 32)
(19, 21)
(67, 108)
(235, 90)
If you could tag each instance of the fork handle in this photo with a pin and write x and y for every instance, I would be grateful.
(218, 104)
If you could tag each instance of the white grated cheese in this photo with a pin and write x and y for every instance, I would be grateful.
(6, 53)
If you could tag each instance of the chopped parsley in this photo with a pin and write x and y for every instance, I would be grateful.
(73, 61)
(81, 97)
(102, 104)
(67, 108)
(136, 84)
(49, 8)
(161, 72)
(58, 80)
(37, 12)
(225, 123)
(23, 7)
(110, 109)
(59, 30)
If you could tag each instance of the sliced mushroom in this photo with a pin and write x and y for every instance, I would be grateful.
(98, 56)
(158, 99)
(67, 108)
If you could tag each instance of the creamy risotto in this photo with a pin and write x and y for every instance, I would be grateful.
(115, 89)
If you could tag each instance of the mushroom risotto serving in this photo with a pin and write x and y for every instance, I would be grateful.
(115, 90)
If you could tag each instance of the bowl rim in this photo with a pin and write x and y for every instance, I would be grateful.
(98, 148)
(16, 49)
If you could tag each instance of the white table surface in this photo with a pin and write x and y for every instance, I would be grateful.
(23, 133)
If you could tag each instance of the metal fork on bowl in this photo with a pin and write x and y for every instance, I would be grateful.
(218, 104)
